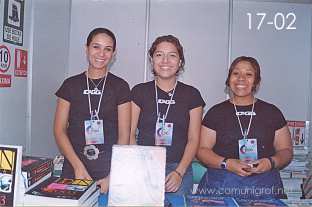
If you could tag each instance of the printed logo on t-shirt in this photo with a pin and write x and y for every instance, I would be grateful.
(92, 92)
(245, 113)
(163, 101)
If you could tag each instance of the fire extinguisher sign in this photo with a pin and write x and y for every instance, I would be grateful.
(5, 59)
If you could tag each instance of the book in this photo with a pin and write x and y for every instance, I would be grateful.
(32, 166)
(10, 174)
(261, 202)
(299, 132)
(201, 200)
(137, 176)
(32, 182)
(57, 191)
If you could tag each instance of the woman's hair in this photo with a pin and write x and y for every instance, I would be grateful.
(101, 30)
(173, 40)
(255, 65)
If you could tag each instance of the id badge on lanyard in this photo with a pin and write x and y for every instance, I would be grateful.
(163, 133)
(94, 133)
(248, 149)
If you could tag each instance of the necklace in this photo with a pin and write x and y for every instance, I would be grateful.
(246, 132)
(96, 85)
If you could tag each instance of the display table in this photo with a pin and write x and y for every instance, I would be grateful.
(170, 200)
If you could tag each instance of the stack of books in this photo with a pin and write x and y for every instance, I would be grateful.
(57, 191)
(297, 171)
(35, 170)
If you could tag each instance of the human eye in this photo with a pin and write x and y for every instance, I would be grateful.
(173, 55)
(158, 54)
(108, 49)
(95, 46)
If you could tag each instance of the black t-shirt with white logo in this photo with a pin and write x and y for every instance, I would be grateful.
(221, 118)
(74, 90)
(184, 100)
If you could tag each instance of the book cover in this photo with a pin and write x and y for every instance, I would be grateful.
(137, 176)
(32, 182)
(299, 131)
(10, 174)
(260, 202)
(60, 191)
(201, 200)
(32, 165)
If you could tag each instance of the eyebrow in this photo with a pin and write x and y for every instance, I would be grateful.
(96, 43)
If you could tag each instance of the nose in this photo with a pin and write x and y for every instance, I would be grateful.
(241, 77)
(101, 52)
(165, 58)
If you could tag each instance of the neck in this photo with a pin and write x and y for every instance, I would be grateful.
(96, 73)
(165, 84)
(242, 101)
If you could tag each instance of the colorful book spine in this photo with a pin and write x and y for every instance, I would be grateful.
(33, 180)
(33, 166)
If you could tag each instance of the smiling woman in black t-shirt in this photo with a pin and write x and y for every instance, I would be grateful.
(93, 113)
(244, 141)
(168, 113)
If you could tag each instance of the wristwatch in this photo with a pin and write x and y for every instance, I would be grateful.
(272, 163)
(223, 163)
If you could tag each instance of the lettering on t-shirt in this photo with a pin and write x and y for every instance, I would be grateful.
(92, 92)
(163, 101)
(245, 113)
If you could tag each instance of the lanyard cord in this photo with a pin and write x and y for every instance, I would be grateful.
(157, 108)
(245, 134)
(89, 99)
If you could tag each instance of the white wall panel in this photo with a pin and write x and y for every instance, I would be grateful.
(202, 27)
(126, 19)
(284, 55)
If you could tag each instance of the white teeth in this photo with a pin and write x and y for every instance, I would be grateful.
(99, 60)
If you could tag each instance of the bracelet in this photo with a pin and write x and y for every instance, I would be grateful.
(272, 163)
(179, 174)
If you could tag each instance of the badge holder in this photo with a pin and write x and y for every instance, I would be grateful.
(163, 132)
(248, 149)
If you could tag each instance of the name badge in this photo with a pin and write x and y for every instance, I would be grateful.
(248, 150)
(163, 133)
(94, 133)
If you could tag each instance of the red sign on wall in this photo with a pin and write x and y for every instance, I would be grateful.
(5, 58)
(5, 80)
(20, 69)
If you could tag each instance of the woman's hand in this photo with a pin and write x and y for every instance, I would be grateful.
(173, 182)
(104, 184)
(261, 166)
(238, 167)
(82, 173)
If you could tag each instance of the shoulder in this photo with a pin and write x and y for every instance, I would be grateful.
(267, 106)
(74, 80)
(144, 86)
(224, 105)
(77, 77)
(187, 88)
